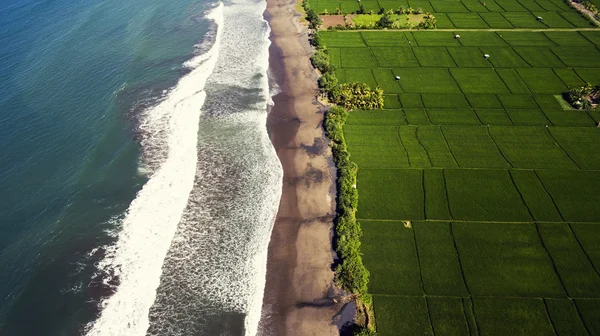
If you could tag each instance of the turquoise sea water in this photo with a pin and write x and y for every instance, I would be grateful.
(109, 224)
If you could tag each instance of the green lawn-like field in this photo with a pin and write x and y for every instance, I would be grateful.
(479, 188)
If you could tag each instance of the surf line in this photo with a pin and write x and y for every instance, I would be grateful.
(152, 217)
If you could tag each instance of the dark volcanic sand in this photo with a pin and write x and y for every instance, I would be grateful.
(299, 292)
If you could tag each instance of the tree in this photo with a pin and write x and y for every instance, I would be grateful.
(385, 21)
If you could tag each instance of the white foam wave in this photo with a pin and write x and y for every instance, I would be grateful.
(170, 131)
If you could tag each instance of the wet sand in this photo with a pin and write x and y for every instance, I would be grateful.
(299, 293)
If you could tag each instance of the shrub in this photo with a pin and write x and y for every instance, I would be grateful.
(357, 96)
(320, 60)
(385, 21)
(327, 82)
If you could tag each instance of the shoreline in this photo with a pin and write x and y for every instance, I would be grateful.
(300, 296)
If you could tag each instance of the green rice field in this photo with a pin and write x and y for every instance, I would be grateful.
(472, 14)
(479, 189)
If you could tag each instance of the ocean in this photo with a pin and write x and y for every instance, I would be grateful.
(139, 185)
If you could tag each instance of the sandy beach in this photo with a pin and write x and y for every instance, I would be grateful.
(299, 293)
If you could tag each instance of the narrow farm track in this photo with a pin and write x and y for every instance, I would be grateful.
(474, 30)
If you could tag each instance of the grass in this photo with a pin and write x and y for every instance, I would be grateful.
(426, 80)
(445, 100)
(538, 57)
(357, 58)
(389, 57)
(470, 57)
(577, 142)
(485, 100)
(540, 80)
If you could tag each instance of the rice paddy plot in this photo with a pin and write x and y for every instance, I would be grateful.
(473, 148)
(440, 266)
(390, 255)
(590, 310)
(385, 38)
(359, 76)
(575, 56)
(444, 100)
(389, 57)
(433, 141)
(375, 146)
(402, 315)
(342, 39)
(568, 38)
(504, 57)
(576, 193)
(539, 57)
(357, 58)
(386, 80)
(391, 194)
(484, 195)
(501, 259)
(377, 117)
(527, 317)
(484, 100)
(514, 83)
(469, 57)
(553, 19)
(435, 39)
(569, 77)
(565, 318)
(538, 201)
(526, 39)
(471, 80)
(588, 236)
(493, 117)
(480, 39)
(542, 80)
(580, 143)
(468, 20)
(435, 57)
(464, 116)
(530, 147)
(447, 316)
(426, 80)
(572, 264)
(496, 20)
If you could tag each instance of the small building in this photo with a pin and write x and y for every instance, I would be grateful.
(486, 55)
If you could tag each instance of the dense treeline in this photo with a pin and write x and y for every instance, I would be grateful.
(350, 273)
(586, 97)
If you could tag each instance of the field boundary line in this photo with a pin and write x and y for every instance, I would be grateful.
(521, 196)
(548, 193)
(559, 146)
(488, 297)
(476, 168)
(424, 196)
(537, 229)
(421, 144)
(583, 249)
(479, 29)
(549, 317)
(581, 318)
(499, 150)
(448, 146)
(471, 221)
(462, 271)
(402, 144)
(447, 195)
